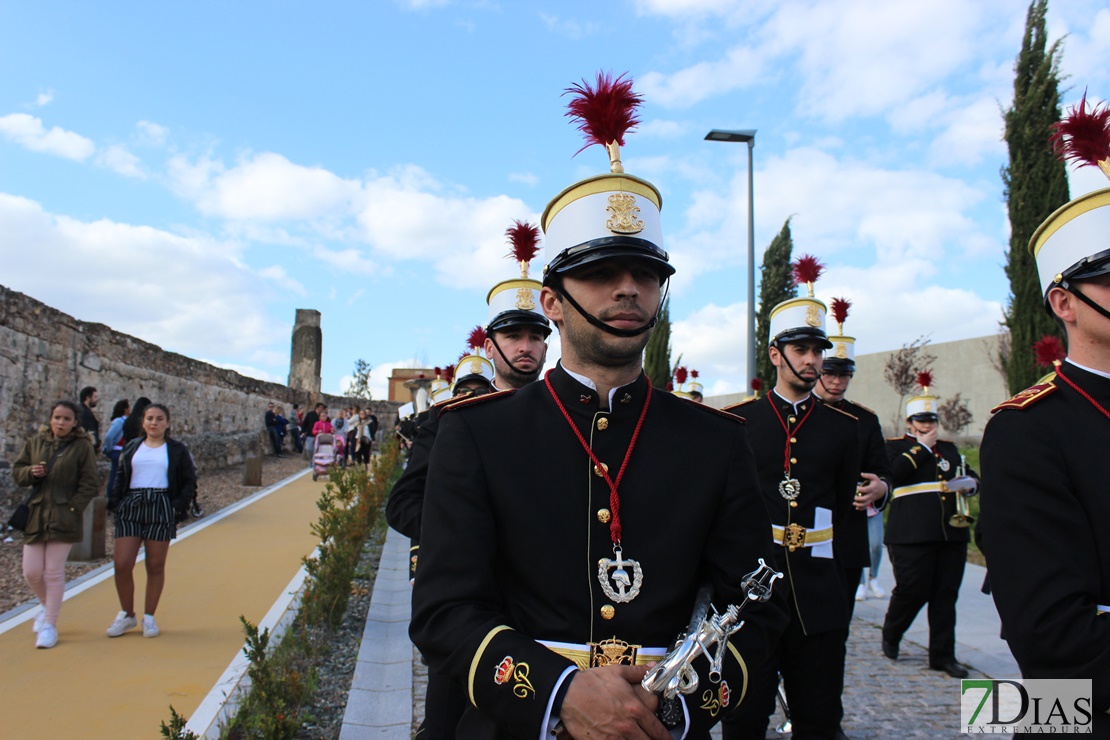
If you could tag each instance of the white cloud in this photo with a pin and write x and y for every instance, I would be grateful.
(278, 275)
(569, 27)
(526, 178)
(264, 187)
(248, 371)
(151, 134)
(663, 129)
(44, 98)
(379, 377)
(28, 132)
(742, 67)
(121, 161)
(186, 294)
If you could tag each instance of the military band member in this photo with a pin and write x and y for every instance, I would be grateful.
(517, 330)
(562, 547)
(924, 534)
(695, 387)
(862, 535)
(807, 454)
(1045, 513)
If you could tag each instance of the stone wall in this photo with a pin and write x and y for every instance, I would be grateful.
(46, 355)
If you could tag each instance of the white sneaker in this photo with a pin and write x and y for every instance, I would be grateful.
(48, 637)
(150, 627)
(121, 624)
(861, 592)
(37, 626)
(875, 589)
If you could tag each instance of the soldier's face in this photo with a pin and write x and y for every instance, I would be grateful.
(526, 349)
(623, 293)
(835, 383)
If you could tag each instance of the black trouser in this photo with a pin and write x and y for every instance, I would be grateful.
(926, 573)
(444, 703)
(812, 669)
(275, 439)
(852, 578)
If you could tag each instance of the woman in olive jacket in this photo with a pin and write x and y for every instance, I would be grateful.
(56, 505)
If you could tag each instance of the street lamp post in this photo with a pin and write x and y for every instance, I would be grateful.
(746, 136)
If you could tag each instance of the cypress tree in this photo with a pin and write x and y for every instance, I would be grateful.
(776, 284)
(1036, 184)
(657, 354)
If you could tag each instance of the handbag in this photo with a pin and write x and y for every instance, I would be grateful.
(18, 519)
(22, 513)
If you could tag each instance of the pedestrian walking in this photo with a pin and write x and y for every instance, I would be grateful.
(113, 440)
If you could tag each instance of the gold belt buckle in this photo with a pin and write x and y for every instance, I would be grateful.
(612, 652)
(793, 536)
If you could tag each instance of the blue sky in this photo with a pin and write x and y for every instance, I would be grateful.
(193, 173)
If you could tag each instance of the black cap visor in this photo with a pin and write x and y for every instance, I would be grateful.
(801, 334)
(608, 247)
(509, 319)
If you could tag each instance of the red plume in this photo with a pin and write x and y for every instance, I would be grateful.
(680, 375)
(1084, 136)
(670, 386)
(449, 373)
(925, 378)
(524, 239)
(438, 371)
(807, 269)
(757, 384)
(840, 308)
(694, 374)
(1049, 350)
(606, 112)
(477, 338)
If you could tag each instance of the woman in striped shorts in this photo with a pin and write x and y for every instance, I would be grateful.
(157, 479)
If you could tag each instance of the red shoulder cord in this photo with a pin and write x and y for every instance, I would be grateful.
(785, 428)
(614, 497)
(1082, 392)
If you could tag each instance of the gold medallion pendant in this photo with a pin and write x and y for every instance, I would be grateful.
(626, 588)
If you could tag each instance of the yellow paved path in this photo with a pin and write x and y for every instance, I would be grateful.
(91, 686)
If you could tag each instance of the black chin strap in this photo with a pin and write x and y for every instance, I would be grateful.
(508, 362)
(593, 320)
(1079, 294)
(799, 377)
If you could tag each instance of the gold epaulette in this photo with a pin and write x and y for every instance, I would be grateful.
(718, 412)
(860, 405)
(750, 399)
(462, 401)
(1030, 395)
(840, 411)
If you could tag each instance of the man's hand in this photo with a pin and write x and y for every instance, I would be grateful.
(872, 490)
(610, 703)
(929, 438)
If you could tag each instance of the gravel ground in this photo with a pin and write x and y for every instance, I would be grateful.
(336, 668)
(215, 491)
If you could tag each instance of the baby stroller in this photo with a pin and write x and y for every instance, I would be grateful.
(329, 451)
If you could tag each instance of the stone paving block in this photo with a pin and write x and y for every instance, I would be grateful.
(379, 708)
(378, 677)
(363, 732)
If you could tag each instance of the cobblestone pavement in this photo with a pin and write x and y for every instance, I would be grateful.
(882, 698)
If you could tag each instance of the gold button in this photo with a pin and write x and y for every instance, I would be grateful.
(943, 498)
(603, 516)
(793, 461)
(792, 419)
(793, 504)
(602, 424)
(791, 548)
(597, 470)
(608, 612)
(793, 440)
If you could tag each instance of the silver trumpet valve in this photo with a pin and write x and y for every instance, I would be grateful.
(707, 635)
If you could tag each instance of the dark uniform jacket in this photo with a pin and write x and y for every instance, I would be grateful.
(923, 517)
(826, 456)
(406, 500)
(854, 549)
(1045, 522)
(516, 521)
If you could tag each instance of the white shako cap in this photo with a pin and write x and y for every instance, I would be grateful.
(1074, 242)
(608, 215)
(516, 302)
(842, 354)
(801, 318)
(924, 405)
